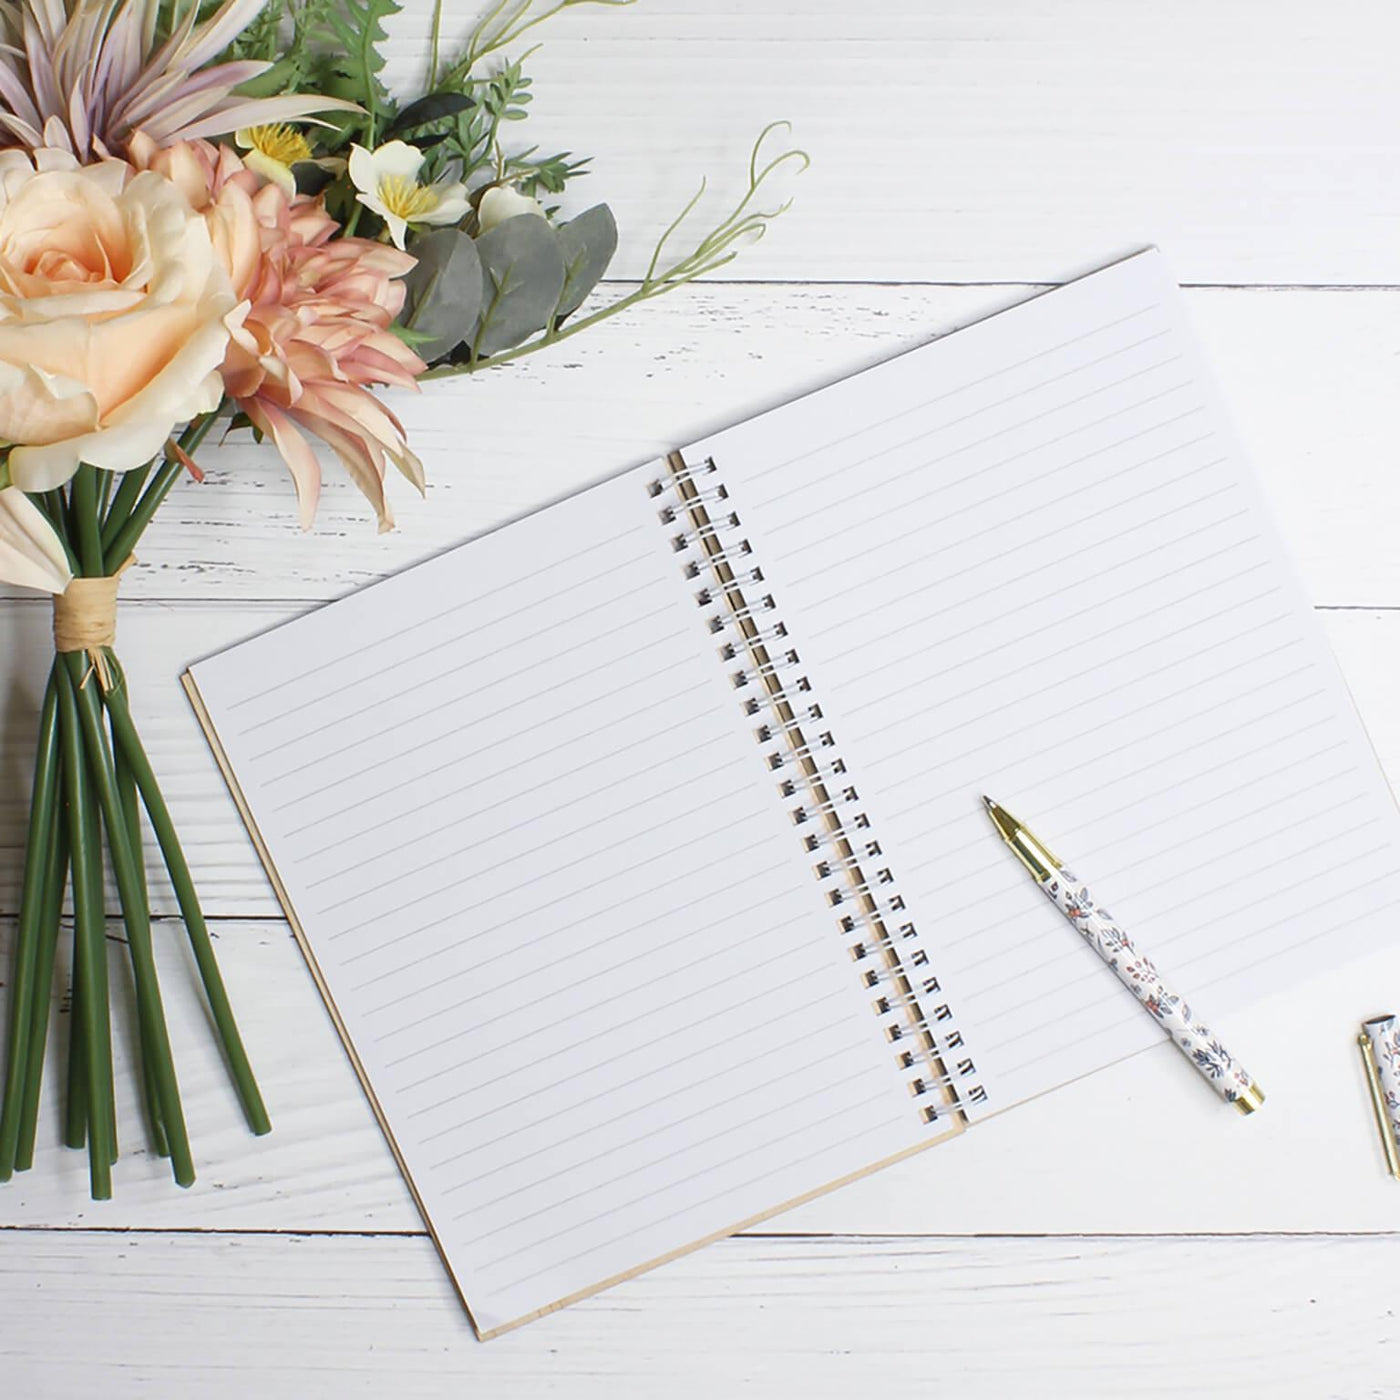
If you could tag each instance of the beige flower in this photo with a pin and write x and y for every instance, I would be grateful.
(112, 315)
(30, 552)
(502, 202)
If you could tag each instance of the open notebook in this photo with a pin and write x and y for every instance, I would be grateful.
(638, 849)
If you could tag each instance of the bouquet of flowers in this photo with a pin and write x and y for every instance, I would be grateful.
(216, 216)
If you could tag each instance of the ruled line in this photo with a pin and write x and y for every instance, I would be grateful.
(925, 404)
(1133, 894)
(594, 547)
(867, 1130)
(920, 530)
(433, 894)
(420, 681)
(1134, 713)
(1132, 625)
(434, 740)
(1057, 561)
(542, 1000)
(809, 482)
(1134, 680)
(769, 1021)
(635, 894)
(441, 644)
(1234, 946)
(994, 863)
(613, 1028)
(538, 692)
(440, 768)
(1052, 780)
(903, 505)
(549, 784)
(625, 1146)
(1136, 1020)
(688, 1148)
(558, 958)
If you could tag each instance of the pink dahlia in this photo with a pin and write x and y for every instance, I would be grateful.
(313, 332)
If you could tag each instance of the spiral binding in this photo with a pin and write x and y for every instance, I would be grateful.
(825, 804)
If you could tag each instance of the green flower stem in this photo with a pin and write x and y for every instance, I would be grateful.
(57, 882)
(83, 501)
(42, 809)
(76, 1099)
(119, 512)
(131, 811)
(51, 503)
(93, 1045)
(124, 541)
(129, 745)
(104, 493)
(155, 1036)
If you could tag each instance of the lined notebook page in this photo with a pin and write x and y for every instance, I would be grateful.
(1029, 560)
(558, 904)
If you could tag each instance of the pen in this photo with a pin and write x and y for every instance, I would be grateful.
(1135, 971)
(1380, 1053)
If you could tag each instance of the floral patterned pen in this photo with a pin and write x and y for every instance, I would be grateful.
(1135, 971)
(1380, 1052)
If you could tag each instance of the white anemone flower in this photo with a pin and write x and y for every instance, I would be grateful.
(386, 181)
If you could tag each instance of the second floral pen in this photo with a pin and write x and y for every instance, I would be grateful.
(1134, 970)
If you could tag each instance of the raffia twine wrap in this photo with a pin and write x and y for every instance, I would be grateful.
(85, 619)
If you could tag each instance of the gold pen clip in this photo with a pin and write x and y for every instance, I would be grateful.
(1381, 1031)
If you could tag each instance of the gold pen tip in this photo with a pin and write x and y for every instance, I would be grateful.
(987, 802)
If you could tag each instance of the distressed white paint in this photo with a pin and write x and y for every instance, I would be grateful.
(1257, 142)
(288, 1318)
(1016, 141)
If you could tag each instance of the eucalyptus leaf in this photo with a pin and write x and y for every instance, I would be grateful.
(523, 269)
(444, 292)
(588, 244)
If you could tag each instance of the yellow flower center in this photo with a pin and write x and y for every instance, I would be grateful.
(279, 142)
(407, 198)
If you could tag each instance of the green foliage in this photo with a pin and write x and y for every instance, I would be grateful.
(336, 47)
(502, 24)
(747, 222)
(349, 34)
(444, 293)
(260, 40)
(588, 244)
(524, 279)
(476, 300)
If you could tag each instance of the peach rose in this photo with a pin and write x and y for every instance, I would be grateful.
(114, 312)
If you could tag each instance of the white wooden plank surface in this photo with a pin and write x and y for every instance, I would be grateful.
(953, 143)
(1016, 141)
(302, 1318)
